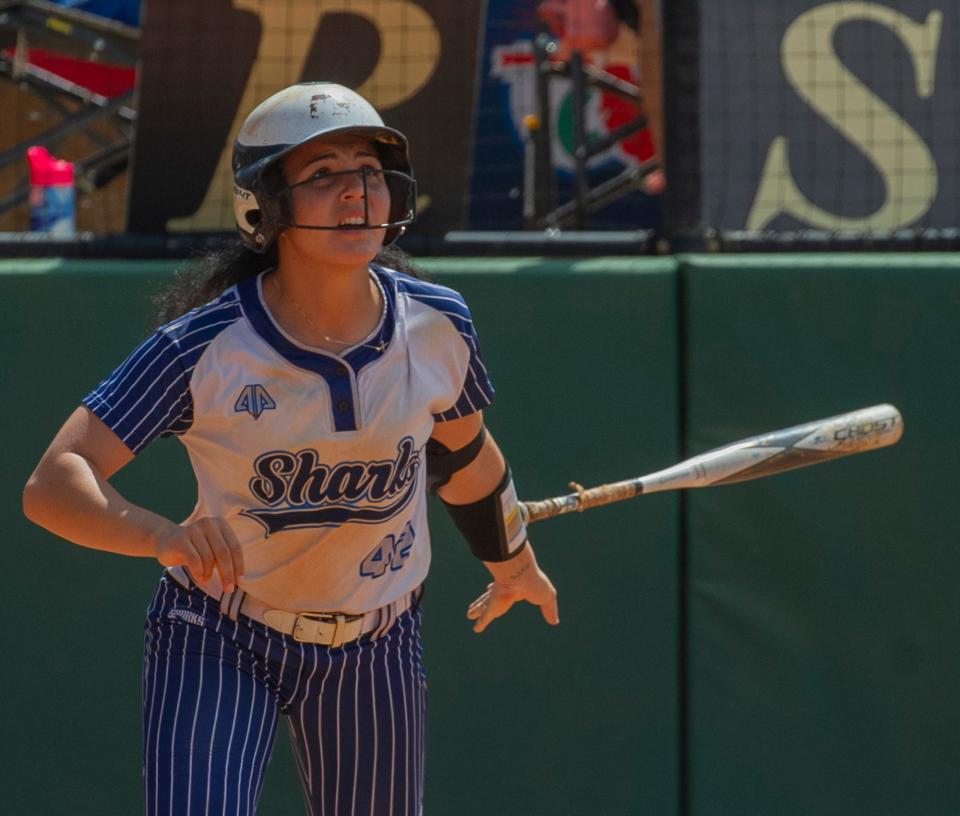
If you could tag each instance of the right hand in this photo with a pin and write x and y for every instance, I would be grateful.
(202, 546)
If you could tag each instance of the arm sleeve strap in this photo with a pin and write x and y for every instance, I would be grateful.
(442, 462)
(493, 526)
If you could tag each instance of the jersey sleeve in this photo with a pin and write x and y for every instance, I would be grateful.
(147, 395)
(476, 392)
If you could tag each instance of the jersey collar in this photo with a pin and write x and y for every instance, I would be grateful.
(320, 362)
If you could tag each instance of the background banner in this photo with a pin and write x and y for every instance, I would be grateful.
(832, 116)
(206, 66)
(507, 92)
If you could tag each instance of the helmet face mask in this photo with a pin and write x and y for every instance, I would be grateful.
(398, 186)
(296, 115)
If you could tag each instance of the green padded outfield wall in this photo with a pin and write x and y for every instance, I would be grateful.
(524, 719)
(823, 640)
(824, 610)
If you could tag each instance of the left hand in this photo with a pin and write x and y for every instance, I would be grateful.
(519, 579)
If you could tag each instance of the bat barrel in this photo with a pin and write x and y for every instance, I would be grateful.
(864, 429)
(764, 455)
(788, 449)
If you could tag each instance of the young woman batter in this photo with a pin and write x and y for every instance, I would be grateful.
(319, 394)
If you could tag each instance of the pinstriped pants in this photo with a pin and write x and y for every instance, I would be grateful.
(212, 692)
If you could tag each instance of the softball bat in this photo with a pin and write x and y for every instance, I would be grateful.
(753, 458)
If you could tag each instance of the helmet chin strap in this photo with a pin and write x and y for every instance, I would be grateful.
(341, 228)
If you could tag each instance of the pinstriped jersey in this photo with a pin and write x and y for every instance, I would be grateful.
(315, 459)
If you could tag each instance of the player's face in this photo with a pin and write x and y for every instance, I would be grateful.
(327, 191)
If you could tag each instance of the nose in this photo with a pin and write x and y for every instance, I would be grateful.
(353, 186)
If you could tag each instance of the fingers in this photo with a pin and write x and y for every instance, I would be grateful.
(203, 546)
(498, 599)
(174, 548)
(497, 604)
(230, 555)
(221, 554)
(476, 608)
(550, 611)
(489, 606)
(547, 601)
(180, 551)
(196, 544)
(235, 549)
(225, 549)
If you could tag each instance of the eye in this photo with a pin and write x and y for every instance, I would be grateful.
(319, 179)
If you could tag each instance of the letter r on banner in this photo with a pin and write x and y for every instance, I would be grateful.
(409, 54)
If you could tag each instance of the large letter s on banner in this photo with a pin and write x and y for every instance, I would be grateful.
(896, 150)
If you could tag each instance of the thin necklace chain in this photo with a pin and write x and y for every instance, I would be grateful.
(378, 347)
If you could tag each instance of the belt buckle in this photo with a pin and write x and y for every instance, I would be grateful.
(338, 619)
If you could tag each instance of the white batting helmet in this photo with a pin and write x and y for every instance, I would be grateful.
(297, 114)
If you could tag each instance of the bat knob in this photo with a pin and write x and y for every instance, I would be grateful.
(581, 498)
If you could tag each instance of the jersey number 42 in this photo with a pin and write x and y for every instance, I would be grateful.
(390, 553)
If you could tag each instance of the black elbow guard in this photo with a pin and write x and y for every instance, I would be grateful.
(442, 462)
(493, 526)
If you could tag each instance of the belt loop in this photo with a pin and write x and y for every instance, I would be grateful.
(338, 622)
(230, 603)
(378, 630)
(387, 616)
(239, 596)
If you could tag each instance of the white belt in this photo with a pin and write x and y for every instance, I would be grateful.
(326, 628)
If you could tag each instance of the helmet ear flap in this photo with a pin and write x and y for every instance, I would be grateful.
(246, 209)
(249, 218)
(262, 210)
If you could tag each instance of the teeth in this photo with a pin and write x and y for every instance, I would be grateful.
(355, 220)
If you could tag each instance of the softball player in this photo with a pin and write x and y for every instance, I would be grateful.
(319, 394)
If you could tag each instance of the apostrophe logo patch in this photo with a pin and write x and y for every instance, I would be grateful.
(254, 400)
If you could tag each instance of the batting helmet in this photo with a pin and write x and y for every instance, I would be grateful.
(261, 197)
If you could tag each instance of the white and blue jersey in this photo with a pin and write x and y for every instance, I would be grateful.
(315, 459)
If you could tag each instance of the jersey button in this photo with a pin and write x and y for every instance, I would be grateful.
(343, 406)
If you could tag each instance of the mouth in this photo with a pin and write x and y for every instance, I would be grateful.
(352, 221)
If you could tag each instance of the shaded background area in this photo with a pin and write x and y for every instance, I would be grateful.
(824, 627)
